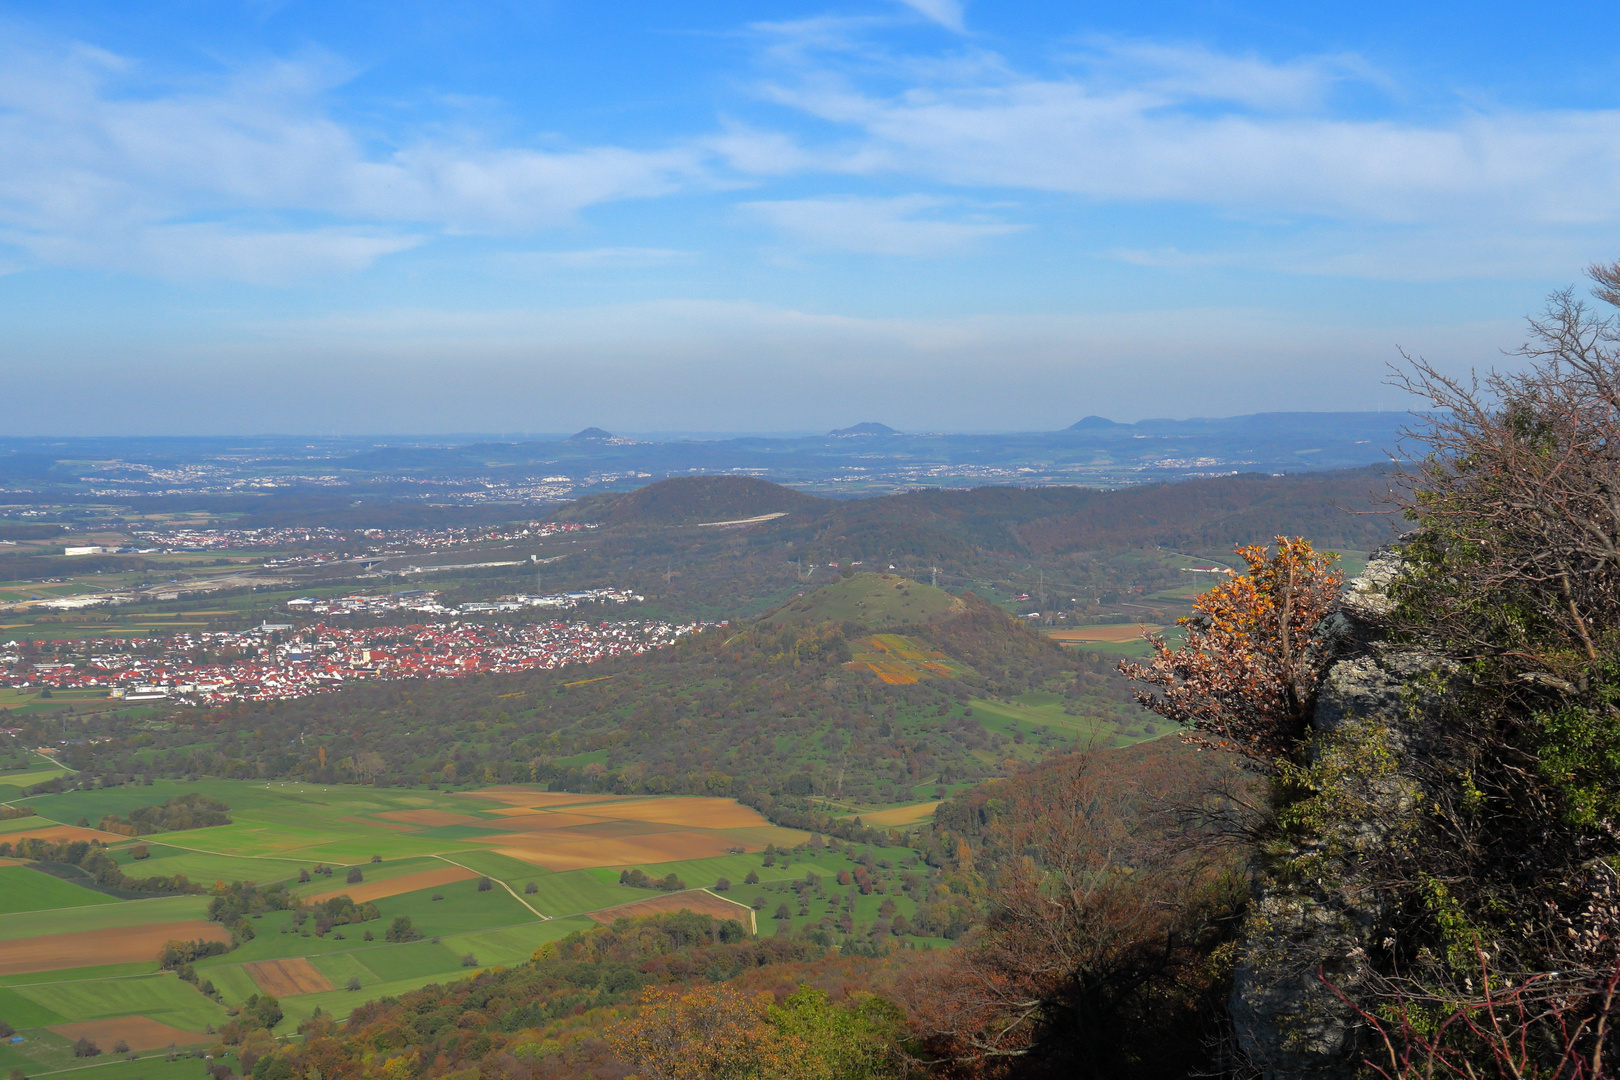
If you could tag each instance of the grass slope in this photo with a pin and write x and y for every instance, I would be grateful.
(25, 889)
(873, 600)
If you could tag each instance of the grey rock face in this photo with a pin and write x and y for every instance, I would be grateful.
(1289, 1023)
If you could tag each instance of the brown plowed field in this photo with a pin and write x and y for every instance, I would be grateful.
(52, 952)
(553, 852)
(64, 832)
(376, 890)
(693, 813)
(431, 818)
(284, 978)
(619, 828)
(142, 1033)
(542, 821)
(699, 900)
(526, 797)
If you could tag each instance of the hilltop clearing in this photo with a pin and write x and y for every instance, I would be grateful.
(695, 500)
(874, 601)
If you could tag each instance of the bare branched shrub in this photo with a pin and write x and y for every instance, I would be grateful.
(1550, 1026)
(1518, 494)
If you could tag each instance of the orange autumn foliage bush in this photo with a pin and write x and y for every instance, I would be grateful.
(1245, 680)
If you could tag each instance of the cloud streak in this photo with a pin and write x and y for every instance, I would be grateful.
(877, 226)
(1139, 123)
(948, 13)
(255, 175)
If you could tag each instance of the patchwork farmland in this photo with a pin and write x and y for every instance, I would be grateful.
(482, 877)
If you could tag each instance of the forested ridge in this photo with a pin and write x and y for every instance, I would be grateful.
(1098, 544)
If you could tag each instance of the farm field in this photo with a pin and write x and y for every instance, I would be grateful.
(1040, 709)
(484, 877)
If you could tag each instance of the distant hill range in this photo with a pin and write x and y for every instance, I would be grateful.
(1345, 508)
(867, 458)
(868, 428)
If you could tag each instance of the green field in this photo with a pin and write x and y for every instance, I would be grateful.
(162, 996)
(102, 916)
(280, 829)
(25, 889)
(1038, 710)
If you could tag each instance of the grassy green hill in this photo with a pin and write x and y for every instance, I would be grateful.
(875, 601)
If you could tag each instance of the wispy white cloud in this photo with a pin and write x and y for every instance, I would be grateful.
(948, 13)
(1133, 122)
(879, 226)
(614, 258)
(1189, 71)
(101, 168)
(212, 252)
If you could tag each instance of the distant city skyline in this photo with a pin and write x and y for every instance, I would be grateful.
(781, 216)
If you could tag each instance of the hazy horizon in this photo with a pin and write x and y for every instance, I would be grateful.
(678, 436)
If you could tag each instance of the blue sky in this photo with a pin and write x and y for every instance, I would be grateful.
(415, 217)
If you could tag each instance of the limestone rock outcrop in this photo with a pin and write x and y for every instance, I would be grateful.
(1314, 914)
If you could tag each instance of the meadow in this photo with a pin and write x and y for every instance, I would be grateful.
(485, 877)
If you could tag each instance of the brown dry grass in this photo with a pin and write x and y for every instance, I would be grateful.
(52, 952)
(285, 978)
(700, 901)
(141, 1032)
(430, 818)
(376, 890)
(1101, 633)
